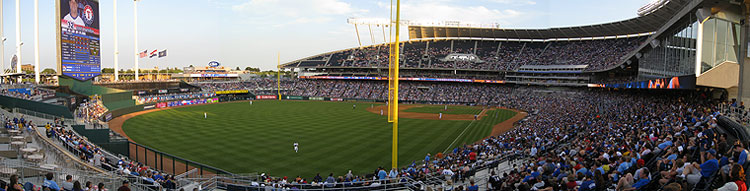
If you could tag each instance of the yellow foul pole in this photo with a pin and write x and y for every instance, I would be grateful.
(390, 65)
(394, 151)
(278, 74)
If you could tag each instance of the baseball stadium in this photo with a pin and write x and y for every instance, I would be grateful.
(654, 101)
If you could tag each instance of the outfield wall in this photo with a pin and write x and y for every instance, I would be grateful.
(109, 115)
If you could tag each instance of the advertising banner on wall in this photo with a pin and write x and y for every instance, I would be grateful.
(678, 82)
(232, 92)
(187, 102)
(266, 97)
(294, 97)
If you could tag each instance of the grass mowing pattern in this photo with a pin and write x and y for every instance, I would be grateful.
(243, 138)
(452, 109)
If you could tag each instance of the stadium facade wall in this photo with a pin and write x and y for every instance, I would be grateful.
(93, 135)
(111, 114)
(45, 108)
(112, 98)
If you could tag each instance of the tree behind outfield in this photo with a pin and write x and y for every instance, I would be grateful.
(251, 69)
(48, 71)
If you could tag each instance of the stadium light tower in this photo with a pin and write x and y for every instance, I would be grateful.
(18, 39)
(117, 49)
(2, 44)
(36, 41)
(135, 35)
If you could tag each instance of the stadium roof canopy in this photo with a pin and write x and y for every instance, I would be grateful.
(639, 25)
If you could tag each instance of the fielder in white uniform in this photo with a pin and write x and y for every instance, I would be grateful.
(296, 147)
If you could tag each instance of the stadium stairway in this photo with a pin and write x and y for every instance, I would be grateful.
(481, 178)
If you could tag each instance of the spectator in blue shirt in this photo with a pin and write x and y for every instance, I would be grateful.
(624, 165)
(643, 181)
(587, 184)
(711, 165)
(472, 187)
(743, 154)
(49, 183)
(694, 172)
(582, 171)
(667, 143)
(330, 181)
(382, 175)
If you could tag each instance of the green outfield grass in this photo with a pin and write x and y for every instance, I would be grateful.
(452, 109)
(333, 137)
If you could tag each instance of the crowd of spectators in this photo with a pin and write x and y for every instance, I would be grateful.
(224, 86)
(574, 139)
(16, 123)
(586, 139)
(173, 96)
(505, 55)
(31, 93)
(598, 140)
(409, 91)
(49, 184)
(597, 54)
(93, 155)
(248, 84)
(79, 146)
(91, 110)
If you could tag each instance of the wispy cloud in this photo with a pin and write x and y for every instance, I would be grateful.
(515, 2)
(446, 11)
(294, 11)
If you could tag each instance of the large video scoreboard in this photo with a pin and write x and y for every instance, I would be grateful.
(78, 39)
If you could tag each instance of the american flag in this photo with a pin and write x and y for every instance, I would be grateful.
(143, 54)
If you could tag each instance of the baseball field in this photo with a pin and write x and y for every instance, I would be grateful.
(333, 137)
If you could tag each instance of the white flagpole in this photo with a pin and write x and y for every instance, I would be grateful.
(117, 48)
(2, 42)
(36, 41)
(135, 34)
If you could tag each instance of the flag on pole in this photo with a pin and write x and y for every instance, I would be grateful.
(163, 53)
(153, 54)
(143, 54)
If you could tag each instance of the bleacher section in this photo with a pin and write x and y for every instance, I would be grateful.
(598, 54)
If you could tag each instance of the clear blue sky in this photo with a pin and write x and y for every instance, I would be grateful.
(250, 32)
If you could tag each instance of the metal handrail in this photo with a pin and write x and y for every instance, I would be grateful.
(224, 182)
(200, 165)
(738, 114)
